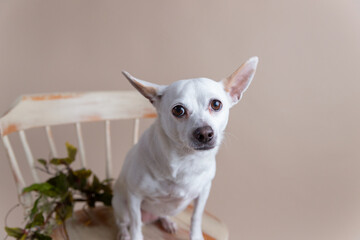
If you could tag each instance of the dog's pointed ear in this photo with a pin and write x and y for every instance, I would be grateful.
(237, 83)
(149, 90)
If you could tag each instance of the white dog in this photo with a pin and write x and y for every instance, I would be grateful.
(174, 161)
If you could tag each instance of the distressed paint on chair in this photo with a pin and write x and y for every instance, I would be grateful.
(54, 109)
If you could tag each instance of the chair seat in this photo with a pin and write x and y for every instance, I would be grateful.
(99, 223)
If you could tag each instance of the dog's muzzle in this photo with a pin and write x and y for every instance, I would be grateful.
(204, 138)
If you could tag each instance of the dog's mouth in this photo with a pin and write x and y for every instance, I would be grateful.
(197, 146)
(203, 148)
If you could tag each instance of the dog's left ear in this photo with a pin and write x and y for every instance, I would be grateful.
(237, 83)
(149, 90)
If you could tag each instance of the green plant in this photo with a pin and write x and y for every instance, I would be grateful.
(56, 197)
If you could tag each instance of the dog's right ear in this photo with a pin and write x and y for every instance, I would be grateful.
(149, 90)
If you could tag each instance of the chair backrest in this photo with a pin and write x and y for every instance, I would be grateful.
(47, 110)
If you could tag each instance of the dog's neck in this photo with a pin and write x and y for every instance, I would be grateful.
(172, 156)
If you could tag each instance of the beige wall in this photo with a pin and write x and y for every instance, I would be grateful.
(289, 168)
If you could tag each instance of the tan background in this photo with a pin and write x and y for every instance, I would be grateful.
(289, 168)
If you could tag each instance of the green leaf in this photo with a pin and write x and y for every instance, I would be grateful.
(63, 212)
(82, 173)
(38, 187)
(107, 181)
(71, 151)
(35, 208)
(105, 198)
(61, 161)
(15, 232)
(23, 237)
(42, 162)
(60, 183)
(44, 188)
(39, 236)
(38, 220)
(96, 185)
(56, 161)
(64, 209)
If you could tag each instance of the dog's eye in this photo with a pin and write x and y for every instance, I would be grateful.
(216, 105)
(178, 111)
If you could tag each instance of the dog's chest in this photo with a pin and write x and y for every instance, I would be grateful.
(187, 176)
(181, 188)
(183, 184)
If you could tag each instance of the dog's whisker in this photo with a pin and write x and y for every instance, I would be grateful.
(228, 137)
(231, 135)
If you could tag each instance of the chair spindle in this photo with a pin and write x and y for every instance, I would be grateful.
(81, 145)
(52, 145)
(29, 155)
(108, 170)
(19, 179)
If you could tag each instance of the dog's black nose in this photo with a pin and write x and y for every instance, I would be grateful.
(204, 134)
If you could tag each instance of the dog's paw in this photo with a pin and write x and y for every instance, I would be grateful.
(168, 225)
(123, 234)
(123, 237)
(197, 238)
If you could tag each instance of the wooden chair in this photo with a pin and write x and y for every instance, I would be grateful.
(47, 110)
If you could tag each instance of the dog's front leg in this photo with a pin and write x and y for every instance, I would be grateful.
(196, 220)
(134, 205)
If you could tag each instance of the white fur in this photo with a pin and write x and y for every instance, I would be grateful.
(163, 173)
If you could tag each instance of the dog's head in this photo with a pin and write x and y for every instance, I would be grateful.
(194, 113)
